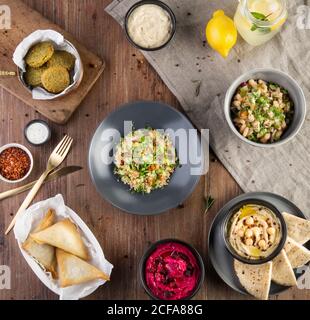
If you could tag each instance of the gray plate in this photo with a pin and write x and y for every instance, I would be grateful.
(142, 114)
(221, 259)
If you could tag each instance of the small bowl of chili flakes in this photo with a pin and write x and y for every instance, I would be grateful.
(16, 163)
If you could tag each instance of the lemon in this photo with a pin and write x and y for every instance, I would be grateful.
(221, 33)
(278, 25)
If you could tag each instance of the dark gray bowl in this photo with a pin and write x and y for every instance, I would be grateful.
(45, 124)
(153, 248)
(263, 203)
(162, 5)
(142, 114)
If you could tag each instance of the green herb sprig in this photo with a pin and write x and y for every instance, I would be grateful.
(261, 17)
(208, 204)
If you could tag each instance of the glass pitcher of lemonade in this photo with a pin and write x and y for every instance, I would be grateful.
(258, 21)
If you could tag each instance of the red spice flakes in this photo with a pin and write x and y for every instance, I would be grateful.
(14, 163)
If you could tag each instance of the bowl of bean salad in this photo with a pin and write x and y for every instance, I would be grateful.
(265, 107)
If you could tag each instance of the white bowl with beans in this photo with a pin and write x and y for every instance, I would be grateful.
(261, 77)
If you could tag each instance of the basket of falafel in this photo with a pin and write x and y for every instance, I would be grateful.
(48, 65)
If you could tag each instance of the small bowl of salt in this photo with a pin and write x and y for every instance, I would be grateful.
(37, 132)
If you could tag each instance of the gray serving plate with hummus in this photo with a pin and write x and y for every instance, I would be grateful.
(222, 260)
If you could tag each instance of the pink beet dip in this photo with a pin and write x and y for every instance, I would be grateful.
(172, 271)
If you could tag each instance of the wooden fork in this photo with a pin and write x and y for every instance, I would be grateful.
(56, 158)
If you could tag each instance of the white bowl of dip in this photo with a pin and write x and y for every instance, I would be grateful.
(37, 132)
(150, 25)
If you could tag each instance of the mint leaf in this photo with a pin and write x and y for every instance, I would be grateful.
(259, 16)
(264, 30)
(254, 27)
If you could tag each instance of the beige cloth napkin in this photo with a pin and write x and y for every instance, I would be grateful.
(189, 60)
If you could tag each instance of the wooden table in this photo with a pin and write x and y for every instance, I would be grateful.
(124, 237)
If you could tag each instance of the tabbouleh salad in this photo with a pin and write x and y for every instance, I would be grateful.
(145, 159)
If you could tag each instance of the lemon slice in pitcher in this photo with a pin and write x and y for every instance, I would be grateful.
(278, 25)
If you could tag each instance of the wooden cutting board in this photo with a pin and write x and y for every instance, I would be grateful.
(25, 21)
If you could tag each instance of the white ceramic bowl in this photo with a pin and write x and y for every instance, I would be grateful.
(16, 145)
(284, 80)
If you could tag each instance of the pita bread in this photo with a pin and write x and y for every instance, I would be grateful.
(297, 254)
(282, 271)
(255, 279)
(73, 270)
(297, 228)
(43, 253)
(63, 235)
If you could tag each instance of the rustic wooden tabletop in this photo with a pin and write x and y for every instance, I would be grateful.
(123, 237)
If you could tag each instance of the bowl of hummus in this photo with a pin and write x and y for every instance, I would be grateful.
(150, 25)
(254, 231)
(171, 270)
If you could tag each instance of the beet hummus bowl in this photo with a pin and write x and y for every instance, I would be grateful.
(171, 270)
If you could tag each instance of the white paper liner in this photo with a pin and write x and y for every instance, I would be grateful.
(60, 44)
(30, 219)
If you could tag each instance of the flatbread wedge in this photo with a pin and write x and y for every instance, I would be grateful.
(282, 271)
(297, 228)
(297, 254)
(73, 270)
(255, 279)
(64, 235)
(43, 253)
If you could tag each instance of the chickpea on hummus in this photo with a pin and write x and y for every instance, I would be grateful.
(254, 232)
